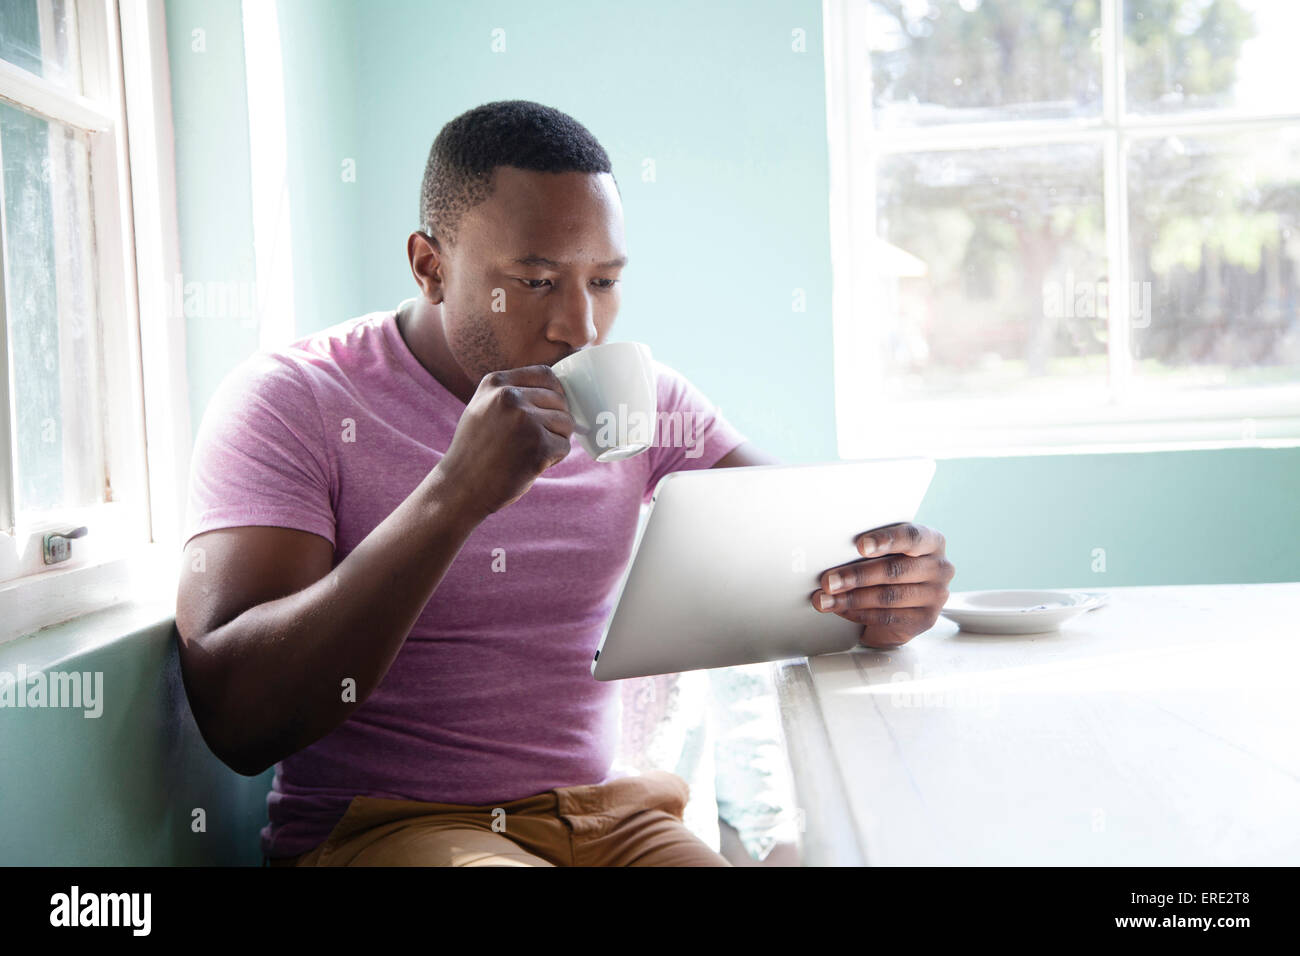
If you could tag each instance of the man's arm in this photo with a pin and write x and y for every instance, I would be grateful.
(746, 454)
(268, 633)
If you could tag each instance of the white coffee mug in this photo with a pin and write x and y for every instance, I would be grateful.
(612, 398)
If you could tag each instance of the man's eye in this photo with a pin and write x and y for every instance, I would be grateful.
(542, 283)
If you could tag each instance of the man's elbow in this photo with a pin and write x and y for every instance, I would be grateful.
(253, 768)
(205, 686)
(244, 759)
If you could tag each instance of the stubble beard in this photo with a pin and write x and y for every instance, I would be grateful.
(476, 348)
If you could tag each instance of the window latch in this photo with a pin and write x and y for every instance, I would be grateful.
(57, 545)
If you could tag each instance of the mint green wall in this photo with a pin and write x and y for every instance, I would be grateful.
(323, 88)
(1227, 516)
(134, 786)
(736, 220)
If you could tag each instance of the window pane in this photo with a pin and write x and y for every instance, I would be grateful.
(51, 314)
(992, 278)
(947, 61)
(1221, 54)
(41, 37)
(1215, 234)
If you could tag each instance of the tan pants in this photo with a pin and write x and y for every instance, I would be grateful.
(632, 821)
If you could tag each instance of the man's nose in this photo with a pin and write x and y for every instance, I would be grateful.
(574, 321)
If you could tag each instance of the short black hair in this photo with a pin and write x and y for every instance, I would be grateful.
(520, 133)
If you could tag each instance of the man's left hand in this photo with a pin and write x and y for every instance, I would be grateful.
(897, 591)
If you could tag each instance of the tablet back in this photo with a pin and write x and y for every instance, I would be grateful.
(728, 558)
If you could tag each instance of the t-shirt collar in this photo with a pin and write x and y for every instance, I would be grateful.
(406, 358)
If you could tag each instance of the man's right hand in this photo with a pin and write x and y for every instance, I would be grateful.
(516, 425)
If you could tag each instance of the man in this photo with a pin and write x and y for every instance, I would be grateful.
(398, 565)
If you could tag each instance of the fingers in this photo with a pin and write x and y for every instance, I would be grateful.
(526, 377)
(897, 591)
(901, 538)
(542, 398)
(508, 391)
(888, 569)
(556, 448)
(558, 422)
(549, 407)
(848, 604)
(892, 627)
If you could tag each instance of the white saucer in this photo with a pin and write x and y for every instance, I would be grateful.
(1018, 612)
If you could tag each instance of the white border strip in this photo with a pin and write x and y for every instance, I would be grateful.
(268, 165)
(147, 84)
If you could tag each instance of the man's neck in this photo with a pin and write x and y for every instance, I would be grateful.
(420, 325)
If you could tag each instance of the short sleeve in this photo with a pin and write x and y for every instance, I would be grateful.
(259, 454)
(690, 432)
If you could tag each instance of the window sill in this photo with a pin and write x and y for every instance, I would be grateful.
(1058, 441)
(981, 426)
(146, 576)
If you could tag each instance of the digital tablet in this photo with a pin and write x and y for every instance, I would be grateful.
(727, 559)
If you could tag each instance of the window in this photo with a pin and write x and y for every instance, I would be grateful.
(1063, 223)
(72, 393)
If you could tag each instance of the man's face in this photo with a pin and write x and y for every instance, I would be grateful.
(534, 274)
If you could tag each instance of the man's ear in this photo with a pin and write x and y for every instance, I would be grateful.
(425, 255)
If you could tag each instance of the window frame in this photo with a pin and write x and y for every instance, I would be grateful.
(125, 108)
(1254, 416)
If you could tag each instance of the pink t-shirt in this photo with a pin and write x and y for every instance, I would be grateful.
(491, 697)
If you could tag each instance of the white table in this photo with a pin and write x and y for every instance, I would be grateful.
(1161, 729)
